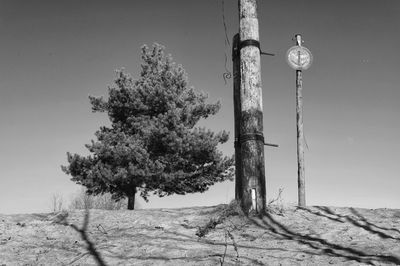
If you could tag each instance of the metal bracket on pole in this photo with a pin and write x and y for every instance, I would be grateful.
(252, 136)
(270, 144)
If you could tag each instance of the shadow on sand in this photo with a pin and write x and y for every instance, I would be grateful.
(324, 247)
(83, 231)
(171, 242)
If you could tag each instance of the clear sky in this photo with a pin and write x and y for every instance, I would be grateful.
(53, 54)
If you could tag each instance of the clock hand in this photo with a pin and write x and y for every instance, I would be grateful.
(298, 58)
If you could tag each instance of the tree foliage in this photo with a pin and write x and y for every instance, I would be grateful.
(152, 144)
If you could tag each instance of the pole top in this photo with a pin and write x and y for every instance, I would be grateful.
(298, 39)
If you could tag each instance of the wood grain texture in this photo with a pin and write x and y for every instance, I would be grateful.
(300, 140)
(237, 116)
(252, 151)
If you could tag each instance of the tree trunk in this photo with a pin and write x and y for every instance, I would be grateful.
(131, 200)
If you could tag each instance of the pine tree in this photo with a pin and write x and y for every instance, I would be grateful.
(152, 144)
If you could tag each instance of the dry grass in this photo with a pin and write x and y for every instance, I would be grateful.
(307, 236)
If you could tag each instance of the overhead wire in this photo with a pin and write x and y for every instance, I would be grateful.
(227, 74)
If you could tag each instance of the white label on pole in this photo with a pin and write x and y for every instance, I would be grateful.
(253, 199)
(299, 57)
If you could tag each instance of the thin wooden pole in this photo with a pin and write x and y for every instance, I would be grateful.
(300, 134)
(251, 123)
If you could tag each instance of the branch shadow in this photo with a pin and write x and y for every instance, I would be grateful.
(320, 245)
(84, 235)
(187, 239)
(360, 222)
(182, 241)
(166, 238)
(180, 237)
(371, 226)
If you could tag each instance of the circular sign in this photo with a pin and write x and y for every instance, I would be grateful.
(299, 57)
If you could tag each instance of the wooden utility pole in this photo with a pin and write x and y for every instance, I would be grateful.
(300, 58)
(252, 191)
(237, 116)
(300, 140)
(301, 181)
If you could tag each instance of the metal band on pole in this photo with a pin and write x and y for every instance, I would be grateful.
(255, 43)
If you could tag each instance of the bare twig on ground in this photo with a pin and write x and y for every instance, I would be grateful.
(275, 206)
(277, 198)
(232, 209)
(212, 223)
(80, 256)
(101, 229)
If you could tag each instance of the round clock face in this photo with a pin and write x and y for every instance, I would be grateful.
(299, 57)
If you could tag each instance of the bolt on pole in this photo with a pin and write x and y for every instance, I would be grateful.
(252, 193)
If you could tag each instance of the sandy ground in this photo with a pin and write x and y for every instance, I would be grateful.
(311, 236)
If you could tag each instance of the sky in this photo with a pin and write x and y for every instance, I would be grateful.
(54, 53)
